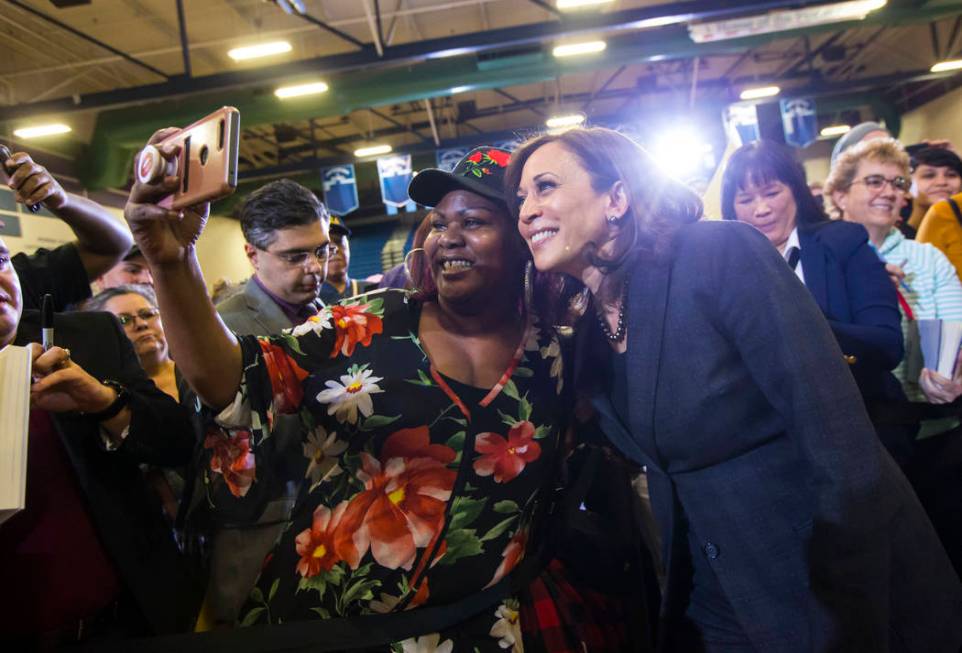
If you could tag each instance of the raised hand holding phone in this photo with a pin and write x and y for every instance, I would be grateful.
(29, 180)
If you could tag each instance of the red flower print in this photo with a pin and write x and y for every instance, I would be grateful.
(475, 158)
(316, 545)
(402, 506)
(420, 596)
(352, 326)
(506, 458)
(511, 555)
(232, 458)
(286, 377)
(500, 157)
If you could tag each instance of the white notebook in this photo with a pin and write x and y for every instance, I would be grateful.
(940, 341)
(14, 427)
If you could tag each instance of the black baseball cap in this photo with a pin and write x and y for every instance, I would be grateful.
(133, 252)
(338, 226)
(481, 171)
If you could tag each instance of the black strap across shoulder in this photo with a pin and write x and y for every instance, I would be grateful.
(955, 209)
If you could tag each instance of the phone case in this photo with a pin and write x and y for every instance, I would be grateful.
(207, 163)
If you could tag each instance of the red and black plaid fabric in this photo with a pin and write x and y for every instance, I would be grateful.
(557, 617)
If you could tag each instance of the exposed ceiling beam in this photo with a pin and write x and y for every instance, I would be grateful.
(414, 53)
(184, 42)
(86, 37)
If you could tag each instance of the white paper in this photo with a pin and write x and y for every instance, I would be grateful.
(14, 428)
(940, 341)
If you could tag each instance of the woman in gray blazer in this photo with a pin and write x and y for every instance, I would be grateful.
(786, 526)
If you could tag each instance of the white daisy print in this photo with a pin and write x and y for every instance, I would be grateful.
(507, 629)
(351, 395)
(322, 451)
(427, 644)
(314, 324)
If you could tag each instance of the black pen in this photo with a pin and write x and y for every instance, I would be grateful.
(6, 154)
(46, 321)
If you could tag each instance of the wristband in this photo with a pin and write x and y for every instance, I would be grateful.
(118, 404)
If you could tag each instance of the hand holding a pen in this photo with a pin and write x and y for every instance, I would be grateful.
(60, 385)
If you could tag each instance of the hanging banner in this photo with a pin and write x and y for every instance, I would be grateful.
(449, 158)
(799, 122)
(340, 189)
(743, 121)
(395, 175)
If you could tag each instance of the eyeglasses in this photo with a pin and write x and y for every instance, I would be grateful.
(145, 314)
(295, 259)
(877, 182)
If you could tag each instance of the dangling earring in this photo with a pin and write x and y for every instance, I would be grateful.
(528, 288)
(613, 219)
(407, 268)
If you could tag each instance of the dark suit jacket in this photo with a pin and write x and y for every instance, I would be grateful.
(127, 519)
(848, 281)
(750, 425)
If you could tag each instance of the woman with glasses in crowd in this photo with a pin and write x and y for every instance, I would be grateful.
(865, 186)
(765, 187)
(433, 430)
(136, 309)
(786, 526)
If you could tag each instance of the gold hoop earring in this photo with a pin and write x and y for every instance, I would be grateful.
(407, 268)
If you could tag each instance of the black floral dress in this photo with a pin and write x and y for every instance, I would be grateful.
(419, 490)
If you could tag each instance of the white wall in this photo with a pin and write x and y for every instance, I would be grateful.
(937, 120)
(220, 248)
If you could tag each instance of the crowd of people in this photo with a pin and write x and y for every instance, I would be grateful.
(579, 417)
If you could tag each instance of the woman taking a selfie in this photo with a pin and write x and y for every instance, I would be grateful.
(433, 426)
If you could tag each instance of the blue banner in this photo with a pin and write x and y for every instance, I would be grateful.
(340, 189)
(395, 174)
(744, 120)
(449, 158)
(799, 122)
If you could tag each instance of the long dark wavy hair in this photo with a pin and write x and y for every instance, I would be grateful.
(761, 163)
(657, 203)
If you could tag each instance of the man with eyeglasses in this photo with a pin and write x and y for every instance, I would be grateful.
(286, 229)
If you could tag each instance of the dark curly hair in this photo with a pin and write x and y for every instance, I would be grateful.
(278, 205)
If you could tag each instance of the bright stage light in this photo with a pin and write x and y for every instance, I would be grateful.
(681, 153)
(259, 50)
(372, 150)
(312, 88)
(835, 130)
(42, 130)
(557, 122)
(574, 49)
(945, 66)
(760, 92)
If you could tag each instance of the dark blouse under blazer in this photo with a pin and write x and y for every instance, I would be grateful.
(751, 426)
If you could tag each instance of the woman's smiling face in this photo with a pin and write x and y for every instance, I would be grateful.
(560, 213)
(469, 248)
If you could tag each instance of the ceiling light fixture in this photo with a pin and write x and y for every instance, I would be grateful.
(835, 130)
(298, 90)
(946, 66)
(570, 120)
(574, 49)
(567, 5)
(760, 92)
(372, 150)
(42, 130)
(259, 50)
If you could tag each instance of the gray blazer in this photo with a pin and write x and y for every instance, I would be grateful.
(752, 429)
(253, 313)
(239, 550)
